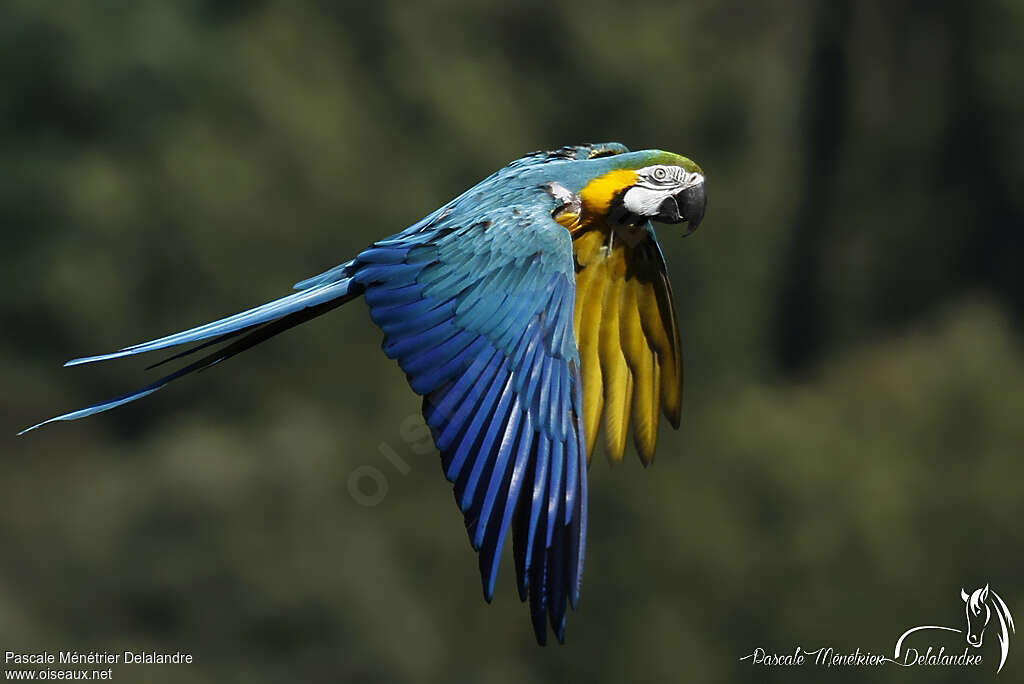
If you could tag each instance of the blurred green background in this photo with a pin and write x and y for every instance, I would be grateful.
(850, 310)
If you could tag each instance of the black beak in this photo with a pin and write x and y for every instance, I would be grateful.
(692, 202)
(687, 205)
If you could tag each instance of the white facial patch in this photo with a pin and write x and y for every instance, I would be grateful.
(643, 201)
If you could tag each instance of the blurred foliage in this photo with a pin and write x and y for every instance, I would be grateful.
(850, 310)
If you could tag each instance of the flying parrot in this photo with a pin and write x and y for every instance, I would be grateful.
(529, 312)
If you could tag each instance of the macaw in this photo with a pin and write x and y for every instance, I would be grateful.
(528, 312)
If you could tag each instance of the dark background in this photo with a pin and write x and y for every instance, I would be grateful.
(850, 454)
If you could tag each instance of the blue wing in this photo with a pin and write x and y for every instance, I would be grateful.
(477, 308)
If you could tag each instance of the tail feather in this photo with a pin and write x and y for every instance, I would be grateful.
(256, 325)
(233, 324)
(199, 347)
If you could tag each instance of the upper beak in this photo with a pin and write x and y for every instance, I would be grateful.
(692, 203)
(686, 205)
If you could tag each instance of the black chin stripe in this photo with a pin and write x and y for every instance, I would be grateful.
(619, 215)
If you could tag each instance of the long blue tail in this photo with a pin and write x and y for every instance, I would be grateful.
(316, 296)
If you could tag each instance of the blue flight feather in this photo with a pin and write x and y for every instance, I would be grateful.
(442, 411)
(555, 487)
(430, 379)
(468, 408)
(494, 428)
(427, 339)
(500, 466)
(481, 413)
(423, 358)
(498, 528)
(538, 502)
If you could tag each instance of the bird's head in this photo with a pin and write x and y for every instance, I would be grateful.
(648, 185)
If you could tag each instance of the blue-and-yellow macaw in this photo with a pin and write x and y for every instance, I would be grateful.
(527, 312)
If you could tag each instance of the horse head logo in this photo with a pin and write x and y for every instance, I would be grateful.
(978, 614)
(980, 605)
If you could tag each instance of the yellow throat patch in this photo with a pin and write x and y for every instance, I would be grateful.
(598, 193)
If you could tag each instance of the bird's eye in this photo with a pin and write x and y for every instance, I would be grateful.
(659, 174)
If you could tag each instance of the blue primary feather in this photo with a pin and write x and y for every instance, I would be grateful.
(554, 487)
(429, 379)
(544, 399)
(535, 369)
(539, 586)
(574, 462)
(504, 453)
(578, 509)
(497, 528)
(495, 426)
(557, 589)
(452, 429)
(428, 339)
(444, 406)
(426, 357)
(552, 414)
(474, 435)
(532, 510)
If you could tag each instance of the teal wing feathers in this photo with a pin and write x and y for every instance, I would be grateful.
(477, 308)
